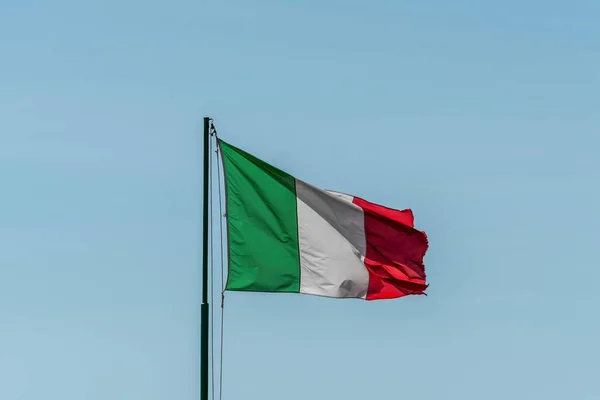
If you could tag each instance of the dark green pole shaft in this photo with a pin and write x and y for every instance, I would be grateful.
(205, 235)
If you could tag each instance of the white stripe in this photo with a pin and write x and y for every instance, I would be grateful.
(343, 196)
(332, 240)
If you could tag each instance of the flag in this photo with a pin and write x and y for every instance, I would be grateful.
(286, 235)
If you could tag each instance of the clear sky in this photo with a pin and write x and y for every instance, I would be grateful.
(480, 116)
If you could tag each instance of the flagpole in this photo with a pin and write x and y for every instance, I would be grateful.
(204, 311)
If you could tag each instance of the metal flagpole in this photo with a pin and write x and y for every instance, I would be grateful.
(204, 310)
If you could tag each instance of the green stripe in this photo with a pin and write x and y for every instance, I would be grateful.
(262, 224)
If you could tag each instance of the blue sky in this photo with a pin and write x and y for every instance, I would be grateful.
(481, 117)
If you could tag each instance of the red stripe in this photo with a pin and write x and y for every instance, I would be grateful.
(395, 252)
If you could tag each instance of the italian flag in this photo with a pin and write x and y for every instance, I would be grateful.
(286, 235)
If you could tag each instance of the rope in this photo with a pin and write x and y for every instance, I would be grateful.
(213, 133)
(222, 275)
(212, 263)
